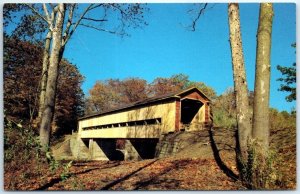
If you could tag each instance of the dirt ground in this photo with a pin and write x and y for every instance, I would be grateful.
(155, 174)
(208, 164)
(192, 168)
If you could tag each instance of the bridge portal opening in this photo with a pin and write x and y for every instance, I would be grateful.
(189, 109)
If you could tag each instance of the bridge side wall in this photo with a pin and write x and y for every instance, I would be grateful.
(164, 110)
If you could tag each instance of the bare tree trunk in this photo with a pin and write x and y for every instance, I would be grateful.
(55, 57)
(262, 78)
(44, 74)
(240, 82)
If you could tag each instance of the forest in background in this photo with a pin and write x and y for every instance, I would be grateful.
(21, 89)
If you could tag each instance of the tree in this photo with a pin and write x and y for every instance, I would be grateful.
(261, 126)
(224, 109)
(133, 90)
(62, 23)
(8, 10)
(289, 80)
(19, 58)
(54, 60)
(207, 90)
(240, 83)
(21, 90)
(113, 93)
(161, 86)
(70, 99)
(102, 98)
(43, 81)
(30, 28)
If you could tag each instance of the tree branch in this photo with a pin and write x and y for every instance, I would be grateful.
(201, 11)
(90, 7)
(46, 12)
(95, 20)
(69, 23)
(103, 30)
(118, 8)
(53, 13)
(98, 5)
(37, 13)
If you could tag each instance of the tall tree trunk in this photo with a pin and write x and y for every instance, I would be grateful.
(55, 58)
(44, 74)
(260, 129)
(240, 82)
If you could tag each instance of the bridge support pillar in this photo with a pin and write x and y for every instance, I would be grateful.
(99, 149)
(91, 149)
(130, 151)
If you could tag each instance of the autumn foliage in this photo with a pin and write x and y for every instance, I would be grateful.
(112, 93)
(22, 74)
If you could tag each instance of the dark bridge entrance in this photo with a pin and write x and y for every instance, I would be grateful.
(189, 109)
(121, 149)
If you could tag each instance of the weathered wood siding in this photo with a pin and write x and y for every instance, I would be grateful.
(163, 110)
(194, 95)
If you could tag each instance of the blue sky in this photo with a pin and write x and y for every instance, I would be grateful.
(165, 47)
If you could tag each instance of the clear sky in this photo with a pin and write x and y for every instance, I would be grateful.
(165, 47)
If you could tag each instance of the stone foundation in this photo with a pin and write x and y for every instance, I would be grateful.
(130, 149)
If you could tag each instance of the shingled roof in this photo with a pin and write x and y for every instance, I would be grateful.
(175, 95)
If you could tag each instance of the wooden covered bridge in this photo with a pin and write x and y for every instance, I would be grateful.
(136, 128)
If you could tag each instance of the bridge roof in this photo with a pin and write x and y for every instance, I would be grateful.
(148, 101)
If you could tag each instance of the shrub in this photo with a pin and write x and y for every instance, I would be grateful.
(23, 157)
(20, 144)
(261, 172)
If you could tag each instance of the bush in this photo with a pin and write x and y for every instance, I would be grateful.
(281, 120)
(223, 119)
(262, 172)
(20, 144)
(24, 160)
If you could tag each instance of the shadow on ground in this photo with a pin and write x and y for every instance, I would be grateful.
(217, 157)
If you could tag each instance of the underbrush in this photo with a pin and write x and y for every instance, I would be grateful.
(20, 145)
(284, 142)
(262, 172)
(24, 161)
(276, 171)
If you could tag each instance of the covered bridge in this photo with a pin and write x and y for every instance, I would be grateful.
(144, 122)
(183, 110)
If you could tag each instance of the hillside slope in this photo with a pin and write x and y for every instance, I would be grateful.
(205, 160)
